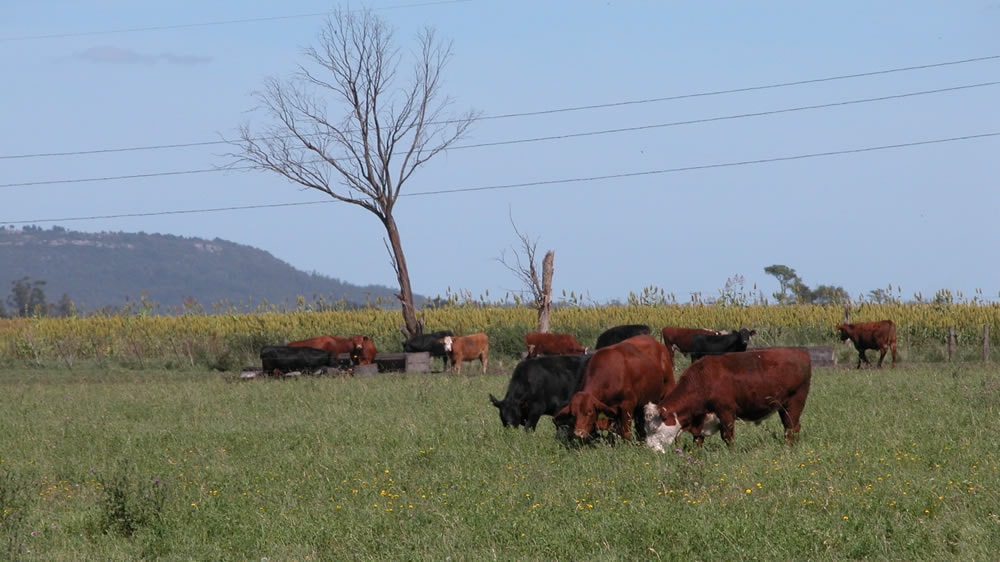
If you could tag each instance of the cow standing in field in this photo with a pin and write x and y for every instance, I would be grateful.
(432, 343)
(880, 335)
(467, 348)
(617, 382)
(552, 344)
(539, 386)
(617, 334)
(716, 344)
(748, 385)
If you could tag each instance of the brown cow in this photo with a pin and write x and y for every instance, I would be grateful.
(467, 348)
(618, 381)
(333, 344)
(363, 351)
(880, 335)
(552, 344)
(749, 385)
(681, 338)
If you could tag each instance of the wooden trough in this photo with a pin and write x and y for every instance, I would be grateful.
(394, 363)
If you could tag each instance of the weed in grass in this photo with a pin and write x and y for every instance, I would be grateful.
(130, 502)
(14, 505)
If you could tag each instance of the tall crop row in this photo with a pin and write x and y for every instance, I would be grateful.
(227, 341)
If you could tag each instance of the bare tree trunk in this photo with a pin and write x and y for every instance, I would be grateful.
(545, 302)
(405, 295)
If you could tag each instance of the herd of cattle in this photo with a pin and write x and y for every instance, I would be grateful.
(626, 380)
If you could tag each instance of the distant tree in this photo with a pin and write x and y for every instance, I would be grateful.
(795, 291)
(525, 267)
(27, 297)
(65, 307)
(390, 124)
(788, 281)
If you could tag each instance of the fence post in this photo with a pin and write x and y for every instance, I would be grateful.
(986, 343)
(951, 343)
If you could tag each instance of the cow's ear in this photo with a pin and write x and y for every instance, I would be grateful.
(496, 402)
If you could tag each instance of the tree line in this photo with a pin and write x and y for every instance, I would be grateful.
(27, 298)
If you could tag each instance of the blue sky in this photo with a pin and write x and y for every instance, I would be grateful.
(81, 77)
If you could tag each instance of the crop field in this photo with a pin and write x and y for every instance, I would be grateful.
(106, 463)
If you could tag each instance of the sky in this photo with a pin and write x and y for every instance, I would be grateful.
(676, 145)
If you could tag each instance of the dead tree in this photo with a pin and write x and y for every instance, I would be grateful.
(524, 267)
(352, 126)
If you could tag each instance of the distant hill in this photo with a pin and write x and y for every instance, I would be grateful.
(110, 269)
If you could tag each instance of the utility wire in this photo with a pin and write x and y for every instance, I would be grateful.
(540, 183)
(554, 110)
(210, 23)
(534, 139)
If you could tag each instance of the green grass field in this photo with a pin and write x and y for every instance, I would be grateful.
(897, 464)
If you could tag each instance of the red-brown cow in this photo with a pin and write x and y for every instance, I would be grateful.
(333, 344)
(749, 385)
(552, 344)
(467, 348)
(880, 335)
(681, 338)
(363, 352)
(618, 381)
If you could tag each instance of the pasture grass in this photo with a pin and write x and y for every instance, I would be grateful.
(187, 465)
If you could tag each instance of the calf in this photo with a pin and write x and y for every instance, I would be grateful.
(715, 344)
(539, 386)
(432, 343)
(617, 334)
(680, 338)
(552, 344)
(281, 359)
(616, 382)
(880, 335)
(467, 348)
(363, 351)
(748, 385)
(659, 435)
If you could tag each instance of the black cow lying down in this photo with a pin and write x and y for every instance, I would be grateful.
(281, 359)
(540, 386)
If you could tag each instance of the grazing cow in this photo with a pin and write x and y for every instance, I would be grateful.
(552, 344)
(539, 386)
(716, 344)
(333, 344)
(282, 359)
(467, 348)
(617, 334)
(363, 352)
(617, 381)
(659, 435)
(879, 335)
(432, 343)
(749, 385)
(680, 338)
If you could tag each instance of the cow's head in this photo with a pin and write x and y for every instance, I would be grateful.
(670, 426)
(745, 335)
(510, 414)
(585, 407)
(843, 331)
(446, 342)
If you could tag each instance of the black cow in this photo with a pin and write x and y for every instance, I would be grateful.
(431, 343)
(281, 359)
(617, 334)
(712, 344)
(540, 386)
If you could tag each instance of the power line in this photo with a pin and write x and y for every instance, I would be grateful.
(555, 110)
(211, 23)
(543, 182)
(538, 139)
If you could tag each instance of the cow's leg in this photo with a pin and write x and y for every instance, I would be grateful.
(483, 359)
(892, 346)
(882, 351)
(727, 427)
(862, 357)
